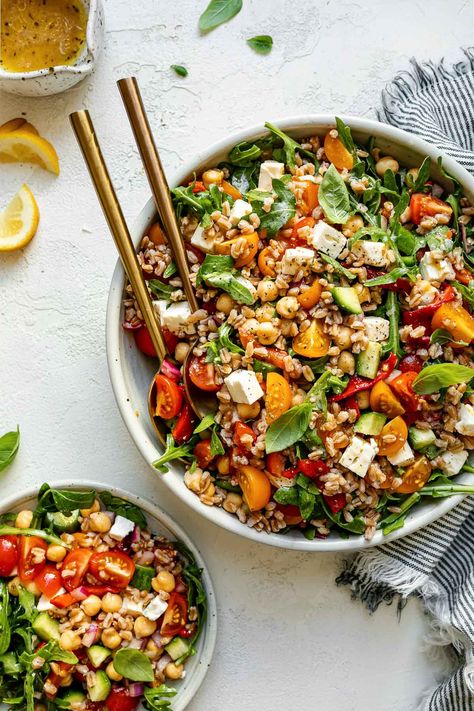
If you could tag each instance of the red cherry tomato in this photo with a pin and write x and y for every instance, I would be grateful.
(32, 557)
(120, 700)
(291, 513)
(275, 463)
(112, 567)
(49, 581)
(144, 342)
(56, 678)
(168, 397)
(202, 452)
(171, 341)
(422, 205)
(99, 590)
(64, 600)
(184, 426)
(240, 429)
(203, 374)
(312, 468)
(74, 568)
(410, 362)
(336, 502)
(175, 616)
(402, 386)
(8, 555)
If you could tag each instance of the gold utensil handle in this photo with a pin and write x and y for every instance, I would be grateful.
(156, 177)
(87, 139)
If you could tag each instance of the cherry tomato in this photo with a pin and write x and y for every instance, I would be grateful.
(175, 616)
(255, 487)
(8, 555)
(63, 601)
(143, 342)
(120, 700)
(304, 222)
(99, 590)
(455, 319)
(337, 153)
(203, 374)
(410, 362)
(49, 581)
(32, 557)
(74, 568)
(464, 276)
(112, 567)
(382, 399)
(336, 502)
(312, 468)
(415, 477)
(184, 426)
(168, 397)
(199, 187)
(266, 262)
(230, 190)
(278, 396)
(422, 205)
(311, 296)
(170, 339)
(402, 386)
(394, 428)
(241, 429)
(291, 513)
(313, 342)
(202, 452)
(310, 196)
(275, 463)
(249, 252)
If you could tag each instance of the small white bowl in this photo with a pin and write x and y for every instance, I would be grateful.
(162, 524)
(44, 82)
(131, 372)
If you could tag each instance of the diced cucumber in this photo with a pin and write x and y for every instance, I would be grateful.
(368, 361)
(177, 648)
(98, 655)
(63, 523)
(346, 297)
(370, 423)
(70, 699)
(431, 451)
(143, 576)
(419, 439)
(45, 627)
(101, 687)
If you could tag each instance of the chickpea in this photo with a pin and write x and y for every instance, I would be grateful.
(70, 640)
(55, 553)
(95, 507)
(13, 586)
(363, 399)
(288, 306)
(298, 397)
(233, 501)
(251, 326)
(225, 303)
(342, 339)
(174, 671)
(212, 176)
(91, 605)
(353, 224)
(24, 519)
(100, 522)
(248, 412)
(66, 681)
(144, 627)
(265, 313)
(163, 581)
(181, 351)
(152, 650)
(267, 333)
(223, 464)
(111, 638)
(386, 163)
(411, 176)
(267, 290)
(112, 673)
(346, 362)
(111, 602)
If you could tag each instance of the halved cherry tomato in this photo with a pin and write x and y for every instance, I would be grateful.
(394, 428)
(312, 468)
(184, 426)
(415, 477)
(63, 601)
(311, 296)
(410, 362)
(203, 374)
(230, 190)
(266, 262)
(291, 513)
(169, 397)
(402, 386)
(255, 487)
(313, 342)
(336, 503)
(464, 276)
(175, 616)
(170, 339)
(74, 568)
(382, 399)
(120, 700)
(249, 252)
(310, 196)
(143, 341)
(304, 222)
(337, 153)
(241, 429)
(455, 319)
(8, 555)
(422, 205)
(278, 396)
(156, 234)
(49, 581)
(275, 463)
(112, 567)
(202, 452)
(32, 557)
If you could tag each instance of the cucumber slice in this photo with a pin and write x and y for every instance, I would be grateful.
(45, 627)
(142, 578)
(177, 648)
(98, 655)
(419, 439)
(370, 423)
(346, 297)
(431, 451)
(70, 699)
(368, 361)
(62, 523)
(101, 688)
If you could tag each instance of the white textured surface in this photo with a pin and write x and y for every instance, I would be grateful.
(286, 634)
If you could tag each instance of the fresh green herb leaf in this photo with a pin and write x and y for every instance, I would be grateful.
(206, 422)
(306, 503)
(333, 196)
(163, 291)
(217, 271)
(51, 652)
(344, 133)
(50, 537)
(439, 239)
(216, 444)
(192, 575)
(172, 452)
(244, 155)
(9, 444)
(290, 147)
(133, 664)
(282, 210)
(389, 278)
(170, 270)
(442, 337)
(287, 495)
(158, 699)
(444, 173)
(180, 70)
(123, 508)
(288, 428)
(337, 266)
(63, 500)
(218, 12)
(467, 292)
(259, 195)
(423, 175)
(5, 628)
(261, 43)
(441, 375)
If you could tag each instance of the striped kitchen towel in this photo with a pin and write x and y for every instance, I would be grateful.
(437, 563)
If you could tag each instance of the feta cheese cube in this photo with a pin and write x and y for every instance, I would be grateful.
(327, 239)
(375, 254)
(243, 387)
(239, 209)
(376, 328)
(202, 241)
(132, 607)
(174, 316)
(296, 259)
(434, 269)
(403, 457)
(155, 608)
(451, 463)
(121, 528)
(465, 424)
(269, 170)
(44, 603)
(359, 455)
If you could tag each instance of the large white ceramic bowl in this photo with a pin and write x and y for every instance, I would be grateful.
(159, 523)
(131, 372)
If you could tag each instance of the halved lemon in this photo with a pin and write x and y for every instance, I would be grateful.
(22, 146)
(19, 221)
(16, 124)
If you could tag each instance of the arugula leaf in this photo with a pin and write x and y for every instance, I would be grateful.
(388, 278)
(215, 345)
(290, 147)
(467, 292)
(282, 210)
(337, 266)
(50, 537)
(171, 453)
(399, 210)
(123, 508)
(438, 239)
(200, 203)
(180, 70)
(392, 310)
(157, 699)
(163, 291)
(218, 271)
(206, 422)
(216, 444)
(441, 375)
(373, 231)
(441, 336)
(423, 175)
(333, 196)
(244, 155)
(133, 664)
(259, 195)
(5, 629)
(170, 270)
(288, 428)
(218, 12)
(356, 526)
(28, 603)
(50, 652)
(9, 444)
(261, 43)
(344, 133)
(444, 173)
(244, 178)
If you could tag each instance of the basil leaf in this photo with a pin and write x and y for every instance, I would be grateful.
(288, 428)
(232, 285)
(261, 43)
(63, 500)
(344, 133)
(133, 664)
(205, 424)
(434, 377)
(306, 503)
(333, 196)
(337, 266)
(282, 210)
(171, 453)
(423, 175)
(180, 70)
(163, 291)
(157, 698)
(218, 12)
(441, 336)
(287, 495)
(123, 508)
(216, 444)
(9, 444)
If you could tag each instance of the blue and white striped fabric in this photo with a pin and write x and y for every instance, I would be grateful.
(436, 563)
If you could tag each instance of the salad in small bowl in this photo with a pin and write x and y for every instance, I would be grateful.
(103, 604)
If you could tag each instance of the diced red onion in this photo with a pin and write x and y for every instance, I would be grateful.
(436, 190)
(80, 593)
(162, 662)
(170, 370)
(136, 533)
(91, 635)
(135, 690)
(180, 586)
(157, 638)
(134, 643)
(146, 558)
(110, 515)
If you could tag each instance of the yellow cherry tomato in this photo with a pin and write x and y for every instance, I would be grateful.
(255, 487)
(311, 296)
(396, 428)
(312, 343)
(249, 252)
(415, 476)
(382, 399)
(337, 153)
(277, 397)
(455, 319)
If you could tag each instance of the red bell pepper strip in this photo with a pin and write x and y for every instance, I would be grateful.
(184, 426)
(336, 502)
(312, 468)
(423, 313)
(356, 384)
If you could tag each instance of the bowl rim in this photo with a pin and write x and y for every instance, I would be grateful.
(149, 449)
(208, 640)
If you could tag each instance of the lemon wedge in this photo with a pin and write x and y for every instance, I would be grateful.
(19, 221)
(23, 146)
(16, 124)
